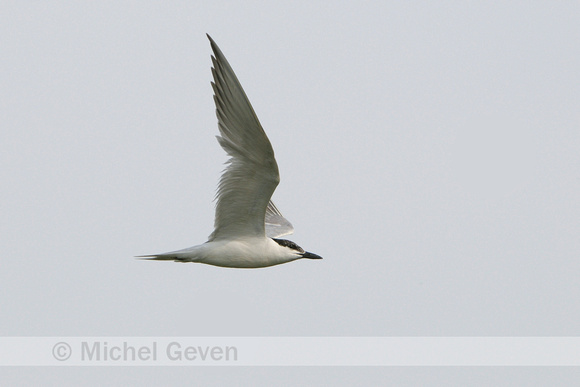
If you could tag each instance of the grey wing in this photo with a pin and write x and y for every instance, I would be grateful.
(276, 224)
(251, 175)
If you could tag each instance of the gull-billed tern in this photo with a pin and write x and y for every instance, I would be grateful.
(247, 223)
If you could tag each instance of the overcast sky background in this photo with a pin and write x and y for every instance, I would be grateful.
(430, 152)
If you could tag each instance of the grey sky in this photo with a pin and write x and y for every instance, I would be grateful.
(428, 151)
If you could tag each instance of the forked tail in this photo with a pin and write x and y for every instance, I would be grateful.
(162, 257)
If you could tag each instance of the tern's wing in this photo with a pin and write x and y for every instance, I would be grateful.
(276, 224)
(251, 176)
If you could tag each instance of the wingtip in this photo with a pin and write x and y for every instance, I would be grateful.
(211, 41)
(217, 53)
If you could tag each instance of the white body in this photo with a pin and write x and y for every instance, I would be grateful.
(240, 253)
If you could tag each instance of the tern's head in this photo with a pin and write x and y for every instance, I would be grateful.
(295, 249)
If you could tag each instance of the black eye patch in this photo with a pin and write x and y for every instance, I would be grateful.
(289, 244)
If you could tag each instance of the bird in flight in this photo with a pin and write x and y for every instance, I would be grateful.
(247, 224)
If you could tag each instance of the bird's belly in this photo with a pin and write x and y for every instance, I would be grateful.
(239, 254)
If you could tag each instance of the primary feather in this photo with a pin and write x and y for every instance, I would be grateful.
(276, 224)
(251, 176)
